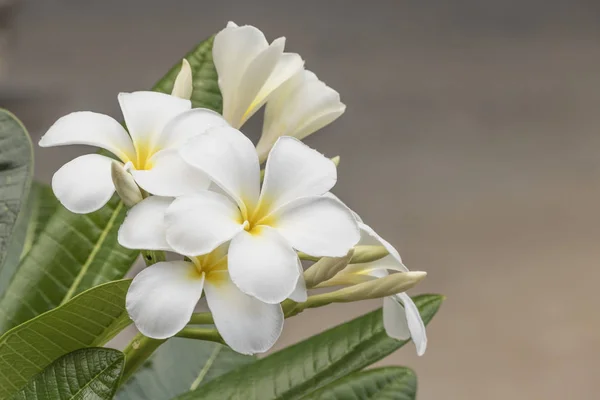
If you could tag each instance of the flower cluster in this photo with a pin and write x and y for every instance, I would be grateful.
(195, 187)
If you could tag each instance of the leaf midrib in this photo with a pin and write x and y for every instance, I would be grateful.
(97, 375)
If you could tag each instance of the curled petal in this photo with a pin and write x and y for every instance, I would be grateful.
(392, 261)
(170, 175)
(319, 226)
(162, 298)
(229, 159)
(84, 184)
(300, 295)
(144, 226)
(147, 113)
(246, 324)
(402, 321)
(293, 171)
(262, 264)
(198, 224)
(91, 129)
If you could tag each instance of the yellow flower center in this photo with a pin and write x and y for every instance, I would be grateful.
(212, 265)
(261, 216)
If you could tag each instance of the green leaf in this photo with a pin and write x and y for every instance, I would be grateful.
(90, 374)
(206, 92)
(300, 369)
(179, 365)
(391, 383)
(89, 319)
(16, 168)
(72, 253)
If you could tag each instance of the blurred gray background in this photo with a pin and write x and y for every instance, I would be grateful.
(470, 141)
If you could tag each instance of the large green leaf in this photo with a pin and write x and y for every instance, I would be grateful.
(89, 319)
(90, 374)
(179, 365)
(16, 168)
(206, 92)
(72, 253)
(300, 369)
(391, 383)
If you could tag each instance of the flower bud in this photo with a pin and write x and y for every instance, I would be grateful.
(325, 269)
(365, 254)
(183, 85)
(125, 185)
(372, 289)
(336, 160)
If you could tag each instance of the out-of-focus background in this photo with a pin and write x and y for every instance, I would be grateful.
(471, 141)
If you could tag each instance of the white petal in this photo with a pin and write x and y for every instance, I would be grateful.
(333, 196)
(262, 264)
(246, 324)
(392, 261)
(187, 125)
(319, 226)
(91, 129)
(197, 224)
(294, 171)
(300, 295)
(183, 85)
(84, 184)
(404, 322)
(162, 298)
(144, 226)
(299, 107)
(234, 49)
(229, 159)
(288, 65)
(170, 176)
(147, 113)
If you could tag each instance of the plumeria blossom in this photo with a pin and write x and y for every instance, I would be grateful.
(249, 69)
(299, 107)
(401, 318)
(157, 125)
(162, 298)
(264, 226)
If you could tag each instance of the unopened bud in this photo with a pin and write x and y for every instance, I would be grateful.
(365, 254)
(325, 269)
(372, 289)
(183, 85)
(336, 160)
(125, 185)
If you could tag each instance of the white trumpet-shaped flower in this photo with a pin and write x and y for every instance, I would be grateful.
(249, 69)
(299, 107)
(157, 125)
(401, 318)
(264, 226)
(162, 297)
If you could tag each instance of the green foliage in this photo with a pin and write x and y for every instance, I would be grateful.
(89, 319)
(391, 383)
(300, 369)
(206, 92)
(16, 168)
(90, 374)
(179, 365)
(72, 253)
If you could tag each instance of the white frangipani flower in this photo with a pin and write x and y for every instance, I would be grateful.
(157, 123)
(249, 69)
(162, 297)
(401, 318)
(264, 226)
(299, 107)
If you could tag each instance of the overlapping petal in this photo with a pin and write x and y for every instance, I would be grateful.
(147, 113)
(199, 223)
(170, 175)
(91, 129)
(186, 125)
(263, 264)
(162, 298)
(144, 226)
(246, 324)
(317, 225)
(229, 159)
(84, 184)
(293, 171)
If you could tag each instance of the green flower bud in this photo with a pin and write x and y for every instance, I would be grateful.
(125, 185)
(325, 269)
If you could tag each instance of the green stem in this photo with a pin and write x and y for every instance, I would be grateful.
(137, 352)
(152, 257)
(202, 319)
(209, 334)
